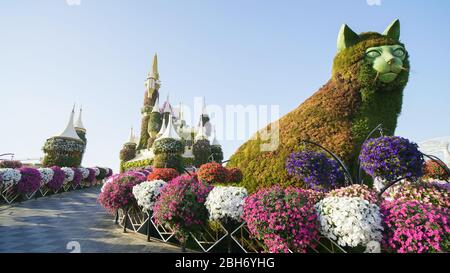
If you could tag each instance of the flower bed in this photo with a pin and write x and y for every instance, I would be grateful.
(283, 218)
(165, 174)
(226, 203)
(213, 173)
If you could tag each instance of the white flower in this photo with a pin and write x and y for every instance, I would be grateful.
(46, 175)
(352, 221)
(147, 192)
(69, 174)
(226, 203)
(97, 171)
(379, 184)
(373, 247)
(10, 176)
(84, 172)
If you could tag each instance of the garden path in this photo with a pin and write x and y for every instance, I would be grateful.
(68, 222)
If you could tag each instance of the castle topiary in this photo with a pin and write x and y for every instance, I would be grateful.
(67, 148)
(370, 72)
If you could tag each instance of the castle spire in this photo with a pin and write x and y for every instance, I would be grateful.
(214, 142)
(152, 83)
(163, 127)
(170, 131)
(167, 106)
(132, 137)
(201, 134)
(155, 67)
(79, 121)
(69, 131)
(156, 106)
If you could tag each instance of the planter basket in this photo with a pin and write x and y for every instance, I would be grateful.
(326, 245)
(135, 219)
(243, 238)
(66, 186)
(9, 192)
(164, 231)
(208, 238)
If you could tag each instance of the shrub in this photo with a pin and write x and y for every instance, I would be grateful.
(165, 174)
(168, 145)
(315, 170)
(169, 160)
(102, 174)
(77, 176)
(391, 158)
(202, 152)
(118, 192)
(217, 153)
(57, 180)
(234, 175)
(128, 152)
(212, 173)
(434, 171)
(10, 164)
(283, 218)
(182, 205)
(412, 227)
(146, 193)
(226, 203)
(30, 180)
(351, 221)
(91, 177)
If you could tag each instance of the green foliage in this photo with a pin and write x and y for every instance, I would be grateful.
(143, 141)
(63, 152)
(124, 166)
(338, 116)
(202, 152)
(169, 160)
(155, 123)
(128, 152)
(217, 153)
(188, 162)
(168, 145)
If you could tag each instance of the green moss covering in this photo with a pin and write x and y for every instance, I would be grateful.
(169, 160)
(202, 152)
(217, 153)
(124, 166)
(338, 116)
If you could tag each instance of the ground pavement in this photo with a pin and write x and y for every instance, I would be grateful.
(68, 222)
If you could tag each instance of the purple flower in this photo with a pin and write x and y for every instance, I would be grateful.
(315, 169)
(57, 180)
(391, 158)
(91, 177)
(77, 176)
(30, 181)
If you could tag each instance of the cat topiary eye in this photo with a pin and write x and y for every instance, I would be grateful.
(373, 54)
(399, 52)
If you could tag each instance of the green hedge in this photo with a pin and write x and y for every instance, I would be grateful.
(169, 160)
(124, 166)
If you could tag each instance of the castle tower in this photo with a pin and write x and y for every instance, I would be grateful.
(152, 85)
(79, 127)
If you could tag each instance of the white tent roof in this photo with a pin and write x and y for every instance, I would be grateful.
(69, 131)
(156, 106)
(79, 121)
(170, 131)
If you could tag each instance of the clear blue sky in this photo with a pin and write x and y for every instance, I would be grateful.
(232, 52)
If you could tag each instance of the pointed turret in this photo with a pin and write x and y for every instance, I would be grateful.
(156, 106)
(201, 134)
(79, 122)
(132, 139)
(167, 106)
(214, 141)
(69, 131)
(170, 131)
(163, 128)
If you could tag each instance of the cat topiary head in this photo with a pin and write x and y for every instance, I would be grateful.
(372, 59)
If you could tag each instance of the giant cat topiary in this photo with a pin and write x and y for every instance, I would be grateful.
(369, 74)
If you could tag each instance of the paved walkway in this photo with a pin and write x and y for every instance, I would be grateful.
(68, 222)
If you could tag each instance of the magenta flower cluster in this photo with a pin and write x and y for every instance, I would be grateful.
(391, 158)
(413, 227)
(30, 181)
(57, 180)
(91, 177)
(316, 170)
(283, 218)
(181, 205)
(77, 176)
(118, 193)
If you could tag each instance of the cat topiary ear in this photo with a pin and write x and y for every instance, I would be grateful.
(346, 38)
(393, 30)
